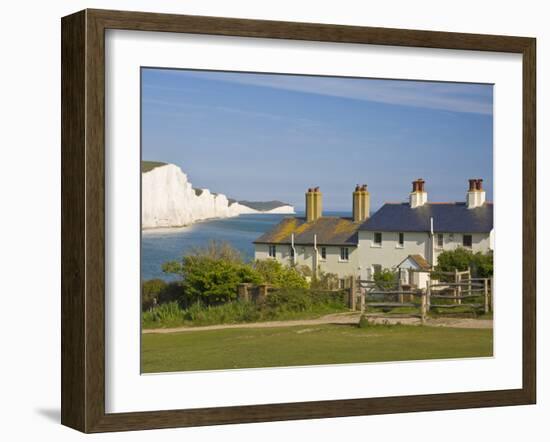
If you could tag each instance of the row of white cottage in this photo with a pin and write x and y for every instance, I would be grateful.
(398, 236)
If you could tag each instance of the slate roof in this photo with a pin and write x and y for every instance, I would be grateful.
(419, 260)
(330, 230)
(448, 218)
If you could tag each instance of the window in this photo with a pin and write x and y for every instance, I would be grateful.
(467, 241)
(401, 241)
(342, 283)
(292, 252)
(378, 239)
(272, 251)
(323, 253)
(344, 254)
(376, 268)
(440, 240)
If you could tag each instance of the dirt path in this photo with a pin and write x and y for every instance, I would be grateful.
(336, 318)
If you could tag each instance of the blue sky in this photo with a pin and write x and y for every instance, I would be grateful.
(263, 137)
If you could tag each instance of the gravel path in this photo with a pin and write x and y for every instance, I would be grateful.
(337, 318)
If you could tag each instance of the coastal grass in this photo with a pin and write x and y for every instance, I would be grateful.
(172, 315)
(308, 345)
(147, 166)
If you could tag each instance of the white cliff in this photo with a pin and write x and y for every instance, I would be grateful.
(169, 200)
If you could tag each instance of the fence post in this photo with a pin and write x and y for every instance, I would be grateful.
(423, 307)
(352, 292)
(400, 298)
(455, 291)
(491, 294)
(486, 293)
(428, 295)
(262, 292)
(242, 292)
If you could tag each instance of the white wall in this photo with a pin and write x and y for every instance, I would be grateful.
(390, 254)
(305, 256)
(30, 221)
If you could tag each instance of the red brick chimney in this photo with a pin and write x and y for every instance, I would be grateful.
(475, 197)
(418, 196)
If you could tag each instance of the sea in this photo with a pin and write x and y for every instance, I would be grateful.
(161, 245)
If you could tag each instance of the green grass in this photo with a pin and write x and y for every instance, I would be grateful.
(308, 345)
(170, 315)
(147, 166)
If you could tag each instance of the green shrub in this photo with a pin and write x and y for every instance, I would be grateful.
(461, 259)
(278, 275)
(324, 281)
(150, 291)
(385, 279)
(163, 315)
(211, 275)
(363, 322)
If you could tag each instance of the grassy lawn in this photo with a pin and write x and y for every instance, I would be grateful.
(308, 345)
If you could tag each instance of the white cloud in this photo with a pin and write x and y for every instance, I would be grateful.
(454, 97)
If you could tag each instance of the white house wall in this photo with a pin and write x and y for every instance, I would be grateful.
(366, 255)
(390, 254)
(305, 256)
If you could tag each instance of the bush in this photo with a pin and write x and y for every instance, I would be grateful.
(211, 281)
(324, 281)
(363, 322)
(276, 274)
(480, 264)
(156, 291)
(150, 291)
(385, 279)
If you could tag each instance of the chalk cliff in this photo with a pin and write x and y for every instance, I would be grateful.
(169, 200)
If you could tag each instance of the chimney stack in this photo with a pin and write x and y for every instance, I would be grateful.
(476, 195)
(314, 204)
(418, 196)
(361, 203)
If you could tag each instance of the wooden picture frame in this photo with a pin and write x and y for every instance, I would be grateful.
(83, 220)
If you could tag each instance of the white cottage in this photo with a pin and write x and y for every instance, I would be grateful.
(405, 236)
(421, 229)
(328, 243)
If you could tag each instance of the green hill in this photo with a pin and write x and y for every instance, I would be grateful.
(263, 206)
(147, 166)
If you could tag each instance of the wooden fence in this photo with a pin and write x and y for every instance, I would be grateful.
(364, 294)
(457, 292)
(370, 295)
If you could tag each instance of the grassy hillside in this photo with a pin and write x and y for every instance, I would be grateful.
(263, 205)
(147, 166)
